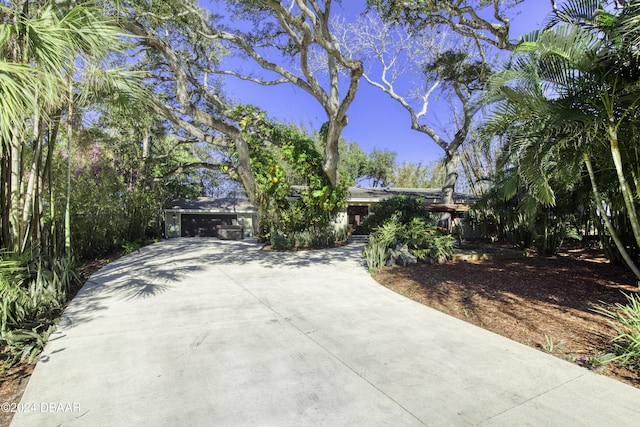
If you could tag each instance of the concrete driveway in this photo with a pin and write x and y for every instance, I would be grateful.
(201, 332)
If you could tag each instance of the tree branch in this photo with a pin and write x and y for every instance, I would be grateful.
(188, 167)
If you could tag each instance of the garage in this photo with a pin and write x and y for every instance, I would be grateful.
(210, 217)
(203, 225)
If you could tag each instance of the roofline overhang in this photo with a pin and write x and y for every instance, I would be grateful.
(244, 211)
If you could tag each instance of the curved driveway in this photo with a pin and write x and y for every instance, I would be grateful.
(201, 332)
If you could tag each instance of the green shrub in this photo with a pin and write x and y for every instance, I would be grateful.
(281, 241)
(401, 208)
(423, 240)
(133, 246)
(311, 238)
(375, 253)
(30, 290)
(548, 236)
(626, 321)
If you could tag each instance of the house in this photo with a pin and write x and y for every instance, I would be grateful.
(361, 201)
(206, 217)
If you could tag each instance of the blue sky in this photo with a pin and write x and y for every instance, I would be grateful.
(375, 120)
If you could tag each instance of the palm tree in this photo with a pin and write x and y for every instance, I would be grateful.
(567, 102)
(44, 45)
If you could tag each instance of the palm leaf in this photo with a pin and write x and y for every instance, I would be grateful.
(575, 12)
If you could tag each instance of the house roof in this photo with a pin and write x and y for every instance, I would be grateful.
(429, 195)
(210, 204)
(356, 195)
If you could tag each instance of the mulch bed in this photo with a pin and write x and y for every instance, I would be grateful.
(542, 302)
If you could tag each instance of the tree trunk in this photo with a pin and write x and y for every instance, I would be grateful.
(15, 226)
(603, 214)
(5, 192)
(451, 163)
(146, 137)
(67, 209)
(627, 196)
(244, 170)
(52, 228)
(32, 193)
(335, 127)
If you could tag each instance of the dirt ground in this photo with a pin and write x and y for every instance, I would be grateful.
(544, 302)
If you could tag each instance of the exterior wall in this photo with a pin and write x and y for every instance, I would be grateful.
(341, 220)
(172, 221)
(466, 231)
(250, 223)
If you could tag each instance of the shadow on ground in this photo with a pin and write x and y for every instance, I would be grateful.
(156, 269)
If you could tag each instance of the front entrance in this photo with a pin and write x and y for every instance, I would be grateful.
(355, 217)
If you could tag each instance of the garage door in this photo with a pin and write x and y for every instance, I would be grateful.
(203, 225)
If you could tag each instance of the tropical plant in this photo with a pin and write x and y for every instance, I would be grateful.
(401, 208)
(566, 110)
(48, 55)
(376, 251)
(421, 239)
(31, 289)
(315, 237)
(625, 319)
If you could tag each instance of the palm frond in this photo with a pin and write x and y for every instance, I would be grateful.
(575, 12)
(121, 86)
(23, 88)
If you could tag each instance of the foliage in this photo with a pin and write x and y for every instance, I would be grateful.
(65, 47)
(31, 288)
(375, 254)
(376, 251)
(464, 17)
(424, 241)
(551, 346)
(133, 246)
(403, 220)
(596, 362)
(309, 238)
(115, 194)
(522, 221)
(626, 321)
(356, 166)
(353, 162)
(566, 112)
(379, 168)
(458, 70)
(399, 208)
(274, 149)
(417, 175)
